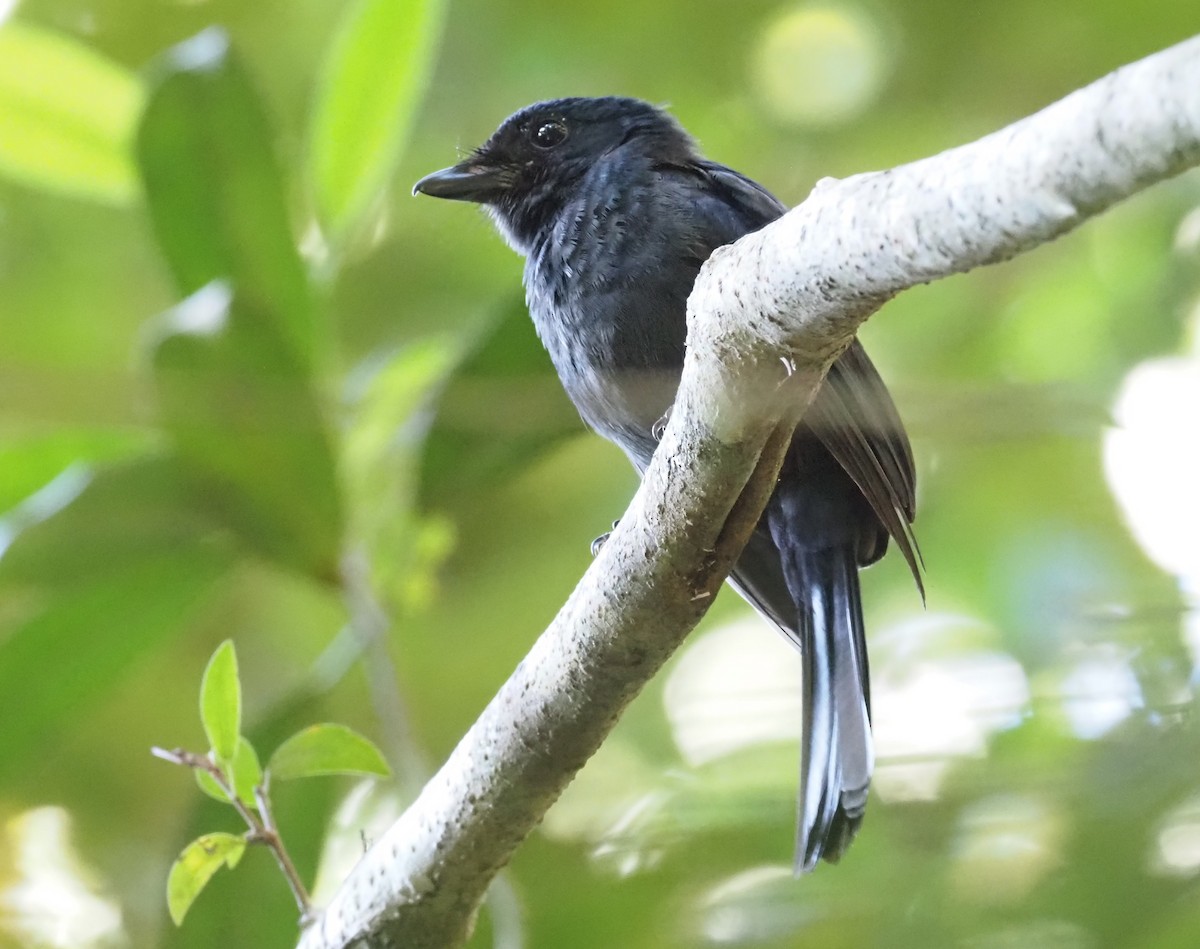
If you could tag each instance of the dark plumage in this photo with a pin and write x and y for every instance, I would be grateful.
(615, 210)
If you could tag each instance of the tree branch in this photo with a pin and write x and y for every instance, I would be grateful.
(767, 317)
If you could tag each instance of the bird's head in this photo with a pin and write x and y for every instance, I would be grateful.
(532, 164)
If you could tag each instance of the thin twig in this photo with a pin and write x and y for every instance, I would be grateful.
(261, 825)
(370, 625)
(268, 834)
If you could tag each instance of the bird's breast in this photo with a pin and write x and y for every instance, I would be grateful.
(624, 405)
(619, 364)
(607, 288)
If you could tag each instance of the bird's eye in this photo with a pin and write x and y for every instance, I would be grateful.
(549, 134)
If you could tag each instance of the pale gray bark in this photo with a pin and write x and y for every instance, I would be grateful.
(767, 317)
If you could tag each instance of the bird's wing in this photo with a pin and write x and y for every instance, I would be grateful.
(854, 416)
(758, 578)
(754, 203)
(852, 413)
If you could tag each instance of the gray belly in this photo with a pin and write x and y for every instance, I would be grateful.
(624, 405)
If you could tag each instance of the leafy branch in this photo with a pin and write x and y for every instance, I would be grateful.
(230, 773)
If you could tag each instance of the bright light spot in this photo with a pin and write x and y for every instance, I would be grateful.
(619, 805)
(1153, 462)
(936, 695)
(819, 65)
(54, 901)
(632, 844)
(1187, 235)
(204, 313)
(1006, 844)
(7, 7)
(44, 503)
(935, 710)
(734, 688)
(204, 51)
(755, 906)
(314, 247)
(602, 794)
(1098, 693)
(1179, 841)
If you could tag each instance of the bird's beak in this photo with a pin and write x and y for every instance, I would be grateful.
(467, 181)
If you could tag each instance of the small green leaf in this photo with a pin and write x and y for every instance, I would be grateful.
(326, 749)
(367, 99)
(221, 702)
(67, 115)
(195, 867)
(243, 772)
(208, 784)
(247, 773)
(216, 193)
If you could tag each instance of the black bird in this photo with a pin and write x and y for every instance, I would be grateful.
(614, 210)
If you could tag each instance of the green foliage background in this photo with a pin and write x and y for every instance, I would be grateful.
(250, 388)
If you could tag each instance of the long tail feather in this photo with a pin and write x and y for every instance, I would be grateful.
(837, 758)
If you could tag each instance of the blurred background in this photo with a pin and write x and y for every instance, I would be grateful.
(251, 388)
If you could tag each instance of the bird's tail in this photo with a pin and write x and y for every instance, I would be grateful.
(837, 757)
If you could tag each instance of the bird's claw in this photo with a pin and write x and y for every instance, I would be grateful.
(603, 538)
(657, 429)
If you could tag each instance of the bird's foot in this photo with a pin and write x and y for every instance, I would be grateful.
(600, 541)
(657, 429)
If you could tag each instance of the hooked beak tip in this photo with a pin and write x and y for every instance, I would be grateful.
(463, 182)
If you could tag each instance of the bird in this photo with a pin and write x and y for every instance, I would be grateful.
(615, 209)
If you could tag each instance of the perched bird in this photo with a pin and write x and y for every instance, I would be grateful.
(614, 210)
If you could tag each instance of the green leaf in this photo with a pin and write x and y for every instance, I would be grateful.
(31, 459)
(379, 462)
(75, 643)
(216, 194)
(502, 408)
(208, 784)
(221, 702)
(67, 115)
(243, 772)
(377, 454)
(196, 865)
(367, 98)
(87, 524)
(234, 368)
(100, 567)
(326, 749)
(246, 421)
(247, 772)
